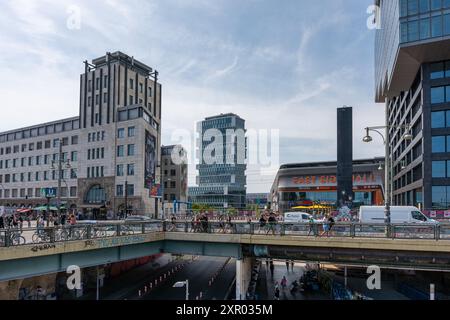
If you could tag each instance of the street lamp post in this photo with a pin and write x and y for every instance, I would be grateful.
(181, 284)
(60, 177)
(388, 161)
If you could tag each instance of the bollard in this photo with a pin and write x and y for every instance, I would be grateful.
(145, 289)
(156, 282)
(165, 276)
(209, 283)
(160, 279)
(196, 298)
(140, 293)
(151, 286)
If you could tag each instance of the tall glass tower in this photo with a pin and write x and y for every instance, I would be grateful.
(222, 153)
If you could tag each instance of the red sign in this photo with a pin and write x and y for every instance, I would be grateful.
(331, 179)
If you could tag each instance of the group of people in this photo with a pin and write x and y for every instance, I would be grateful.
(268, 221)
(199, 223)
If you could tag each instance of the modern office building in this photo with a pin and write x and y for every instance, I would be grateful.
(257, 199)
(306, 184)
(222, 152)
(174, 170)
(412, 73)
(111, 150)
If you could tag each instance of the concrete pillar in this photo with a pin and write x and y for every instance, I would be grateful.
(243, 277)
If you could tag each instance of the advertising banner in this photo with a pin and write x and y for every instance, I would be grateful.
(150, 160)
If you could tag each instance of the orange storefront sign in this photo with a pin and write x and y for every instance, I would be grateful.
(331, 179)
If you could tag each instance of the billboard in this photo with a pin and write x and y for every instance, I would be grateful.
(150, 160)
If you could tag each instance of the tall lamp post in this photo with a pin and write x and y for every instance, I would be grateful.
(60, 177)
(388, 160)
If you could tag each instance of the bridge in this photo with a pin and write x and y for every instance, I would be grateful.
(49, 250)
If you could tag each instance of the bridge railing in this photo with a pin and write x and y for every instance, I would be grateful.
(84, 231)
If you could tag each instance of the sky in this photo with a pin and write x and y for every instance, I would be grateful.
(281, 65)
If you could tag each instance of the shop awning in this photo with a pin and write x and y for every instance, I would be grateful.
(24, 210)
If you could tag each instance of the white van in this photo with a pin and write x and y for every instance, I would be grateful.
(297, 217)
(399, 214)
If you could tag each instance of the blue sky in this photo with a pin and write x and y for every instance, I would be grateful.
(283, 65)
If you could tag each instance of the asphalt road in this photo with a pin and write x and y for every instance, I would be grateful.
(199, 273)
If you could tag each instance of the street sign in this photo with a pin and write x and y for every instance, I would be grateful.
(48, 192)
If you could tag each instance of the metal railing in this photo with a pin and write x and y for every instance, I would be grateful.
(45, 235)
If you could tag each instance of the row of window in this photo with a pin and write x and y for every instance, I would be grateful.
(441, 169)
(41, 131)
(120, 170)
(96, 136)
(121, 132)
(173, 184)
(425, 28)
(37, 176)
(440, 70)
(120, 190)
(121, 150)
(37, 160)
(47, 144)
(440, 144)
(440, 94)
(173, 172)
(96, 153)
(33, 193)
(96, 172)
(413, 7)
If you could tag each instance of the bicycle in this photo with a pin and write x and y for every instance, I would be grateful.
(16, 238)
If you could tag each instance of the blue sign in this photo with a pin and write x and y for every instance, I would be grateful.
(48, 192)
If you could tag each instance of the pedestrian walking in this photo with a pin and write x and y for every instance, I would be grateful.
(284, 282)
(287, 265)
(277, 292)
(292, 265)
(272, 223)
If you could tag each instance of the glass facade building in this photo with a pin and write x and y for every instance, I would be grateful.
(412, 63)
(222, 152)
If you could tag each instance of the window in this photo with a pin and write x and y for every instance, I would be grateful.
(424, 6)
(438, 144)
(105, 81)
(141, 88)
(413, 31)
(173, 184)
(437, 95)
(73, 191)
(413, 7)
(131, 150)
(105, 97)
(417, 215)
(447, 69)
(73, 174)
(74, 156)
(97, 83)
(131, 84)
(121, 133)
(438, 119)
(447, 24)
(439, 169)
(131, 131)
(119, 170)
(130, 169)
(436, 26)
(119, 190)
(437, 71)
(97, 99)
(47, 144)
(130, 189)
(436, 4)
(173, 172)
(74, 140)
(439, 196)
(130, 100)
(31, 146)
(120, 151)
(39, 145)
